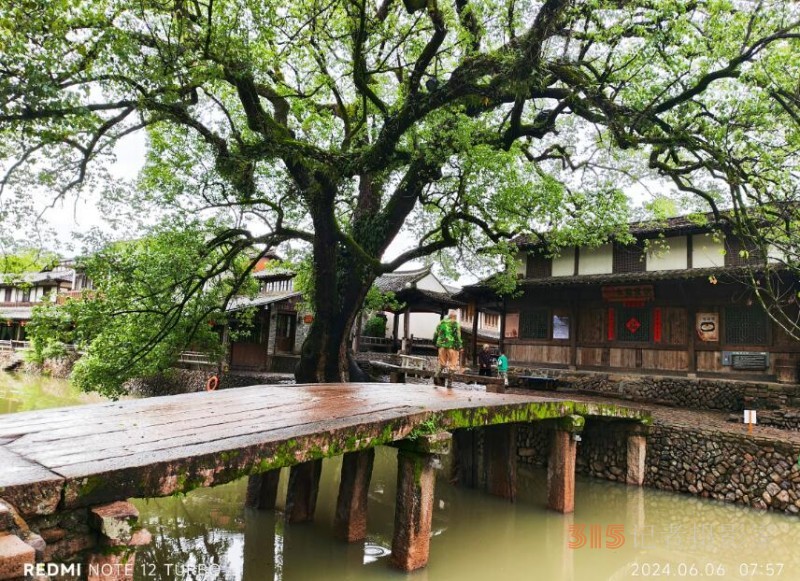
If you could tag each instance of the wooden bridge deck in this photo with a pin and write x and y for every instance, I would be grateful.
(81, 456)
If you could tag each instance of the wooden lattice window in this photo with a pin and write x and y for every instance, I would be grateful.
(629, 258)
(745, 326)
(633, 324)
(739, 253)
(534, 324)
(538, 266)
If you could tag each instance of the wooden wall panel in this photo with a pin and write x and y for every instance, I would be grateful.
(591, 326)
(590, 356)
(622, 358)
(248, 355)
(556, 354)
(675, 322)
(667, 360)
(709, 361)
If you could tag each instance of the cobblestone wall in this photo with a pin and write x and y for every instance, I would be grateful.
(745, 470)
(684, 392)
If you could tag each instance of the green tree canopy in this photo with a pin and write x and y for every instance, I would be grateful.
(337, 123)
(151, 299)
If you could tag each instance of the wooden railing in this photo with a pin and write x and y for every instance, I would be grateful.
(196, 358)
(7, 345)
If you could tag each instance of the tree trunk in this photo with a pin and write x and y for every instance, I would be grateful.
(341, 283)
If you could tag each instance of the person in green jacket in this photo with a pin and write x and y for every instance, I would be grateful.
(502, 367)
(447, 339)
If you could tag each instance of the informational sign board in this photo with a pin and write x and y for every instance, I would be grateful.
(746, 359)
(750, 417)
(707, 326)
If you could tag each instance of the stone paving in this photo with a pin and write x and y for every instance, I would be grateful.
(672, 416)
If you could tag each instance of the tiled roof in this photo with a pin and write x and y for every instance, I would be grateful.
(239, 303)
(689, 224)
(12, 279)
(274, 273)
(629, 277)
(397, 281)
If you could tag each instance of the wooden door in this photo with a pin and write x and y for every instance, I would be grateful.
(285, 327)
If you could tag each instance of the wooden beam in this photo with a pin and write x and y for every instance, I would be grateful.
(350, 520)
(301, 497)
(262, 490)
(406, 334)
(502, 341)
(475, 315)
(465, 466)
(395, 332)
(500, 449)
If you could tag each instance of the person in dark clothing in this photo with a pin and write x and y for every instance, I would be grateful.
(485, 360)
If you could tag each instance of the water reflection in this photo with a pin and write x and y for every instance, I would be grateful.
(20, 392)
(475, 536)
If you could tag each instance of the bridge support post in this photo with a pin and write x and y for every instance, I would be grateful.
(500, 450)
(561, 464)
(262, 490)
(466, 459)
(301, 497)
(637, 449)
(414, 504)
(350, 521)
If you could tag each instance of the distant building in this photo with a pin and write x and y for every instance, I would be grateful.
(425, 297)
(279, 326)
(19, 293)
(673, 302)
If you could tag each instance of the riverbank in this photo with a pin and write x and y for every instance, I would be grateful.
(700, 453)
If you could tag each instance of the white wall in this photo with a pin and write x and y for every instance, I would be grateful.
(706, 252)
(668, 254)
(564, 264)
(421, 325)
(431, 283)
(598, 260)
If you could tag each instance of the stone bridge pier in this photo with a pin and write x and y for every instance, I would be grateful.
(486, 458)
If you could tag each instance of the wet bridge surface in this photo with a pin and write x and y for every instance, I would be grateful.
(81, 456)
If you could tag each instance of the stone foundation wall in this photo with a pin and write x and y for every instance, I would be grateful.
(740, 469)
(692, 393)
(746, 470)
(711, 394)
(60, 367)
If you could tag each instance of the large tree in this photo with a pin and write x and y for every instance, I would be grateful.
(338, 122)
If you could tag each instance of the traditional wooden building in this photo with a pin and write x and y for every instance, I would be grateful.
(676, 301)
(19, 293)
(279, 326)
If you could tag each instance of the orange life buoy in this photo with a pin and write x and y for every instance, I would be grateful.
(212, 383)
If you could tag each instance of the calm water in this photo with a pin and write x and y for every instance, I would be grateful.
(476, 537)
(22, 393)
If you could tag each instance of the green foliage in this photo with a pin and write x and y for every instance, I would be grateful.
(25, 260)
(375, 327)
(152, 299)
